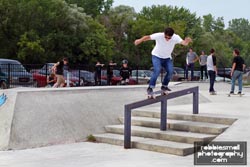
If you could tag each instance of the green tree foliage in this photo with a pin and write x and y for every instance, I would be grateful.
(93, 7)
(97, 46)
(118, 21)
(30, 49)
(241, 27)
(48, 29)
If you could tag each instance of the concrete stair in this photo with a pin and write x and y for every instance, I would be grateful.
(189, 126)
(183, 130)
(187, 117)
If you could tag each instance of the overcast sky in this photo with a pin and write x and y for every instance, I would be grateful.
(228, 9)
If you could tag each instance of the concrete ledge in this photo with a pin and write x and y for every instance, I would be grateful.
(40, 117)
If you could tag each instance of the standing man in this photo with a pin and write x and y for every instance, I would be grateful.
(237, 71)
(161, 55)
(58, 68)
(212, 70)
(191, 58)
(110, 69)
(203, 65)
(98, 72)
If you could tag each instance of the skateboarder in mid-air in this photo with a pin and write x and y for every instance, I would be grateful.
(161, 56)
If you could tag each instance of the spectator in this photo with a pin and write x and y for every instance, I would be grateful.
(237, 71)
(58, 68)
(51, 80)
(191, 58)
(98, 73)
(212, 70)
(110, 69)
(125, 72)
(203, 65)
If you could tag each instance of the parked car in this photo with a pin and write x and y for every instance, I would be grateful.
(222, 79)
(178, 74)
(224, 72)
(40, 76)
(87, 77)
(3, 81)
(142, 76)
(15, 73)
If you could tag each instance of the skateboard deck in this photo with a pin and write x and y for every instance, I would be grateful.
(153, 95)
(233, 94)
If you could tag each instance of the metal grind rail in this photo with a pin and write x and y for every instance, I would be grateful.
(163, 99)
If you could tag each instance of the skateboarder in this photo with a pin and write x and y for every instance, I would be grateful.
(58, 68)
(161, 55)
(237, 71)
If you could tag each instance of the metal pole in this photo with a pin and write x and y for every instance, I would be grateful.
(196, 101)
(68, 79)
(127, 127)
(163, 125)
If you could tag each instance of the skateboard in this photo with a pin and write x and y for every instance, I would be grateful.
(154, 94)
(233, 94)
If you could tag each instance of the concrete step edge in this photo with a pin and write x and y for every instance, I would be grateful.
(167, 147)
(155, 133)
(187, 117)
(191, 126)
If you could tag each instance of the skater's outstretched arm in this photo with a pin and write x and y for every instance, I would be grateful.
(186, 41)
(142, 39)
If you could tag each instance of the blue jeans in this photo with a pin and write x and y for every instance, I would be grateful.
(237, 75)
(212, 80)
(158, 63)
(191, 67)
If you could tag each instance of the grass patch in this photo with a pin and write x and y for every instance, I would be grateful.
(91, 138)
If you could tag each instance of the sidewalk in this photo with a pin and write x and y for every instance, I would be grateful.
(104, 155)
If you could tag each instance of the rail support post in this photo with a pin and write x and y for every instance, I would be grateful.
(127, 127)
(196, 101)
(163, 125)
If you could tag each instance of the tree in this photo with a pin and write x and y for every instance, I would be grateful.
(97, 46)
(57, 27)
(211, 24)
(30, 49)
(117, 21)
(93, 7)
(240, 27)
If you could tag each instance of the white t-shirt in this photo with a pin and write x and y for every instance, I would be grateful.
(164, 48)
(211, 62)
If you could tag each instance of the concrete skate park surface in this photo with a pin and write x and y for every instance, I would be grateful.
(42, 117)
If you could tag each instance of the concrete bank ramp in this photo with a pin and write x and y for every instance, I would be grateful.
(34, 117)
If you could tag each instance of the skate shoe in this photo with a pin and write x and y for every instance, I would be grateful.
(150, 93)
(165, 90)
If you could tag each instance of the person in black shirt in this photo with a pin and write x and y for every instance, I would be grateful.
(125, 72)
(98, 73)
(110, 72)
(58, 68)
(237, 71)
